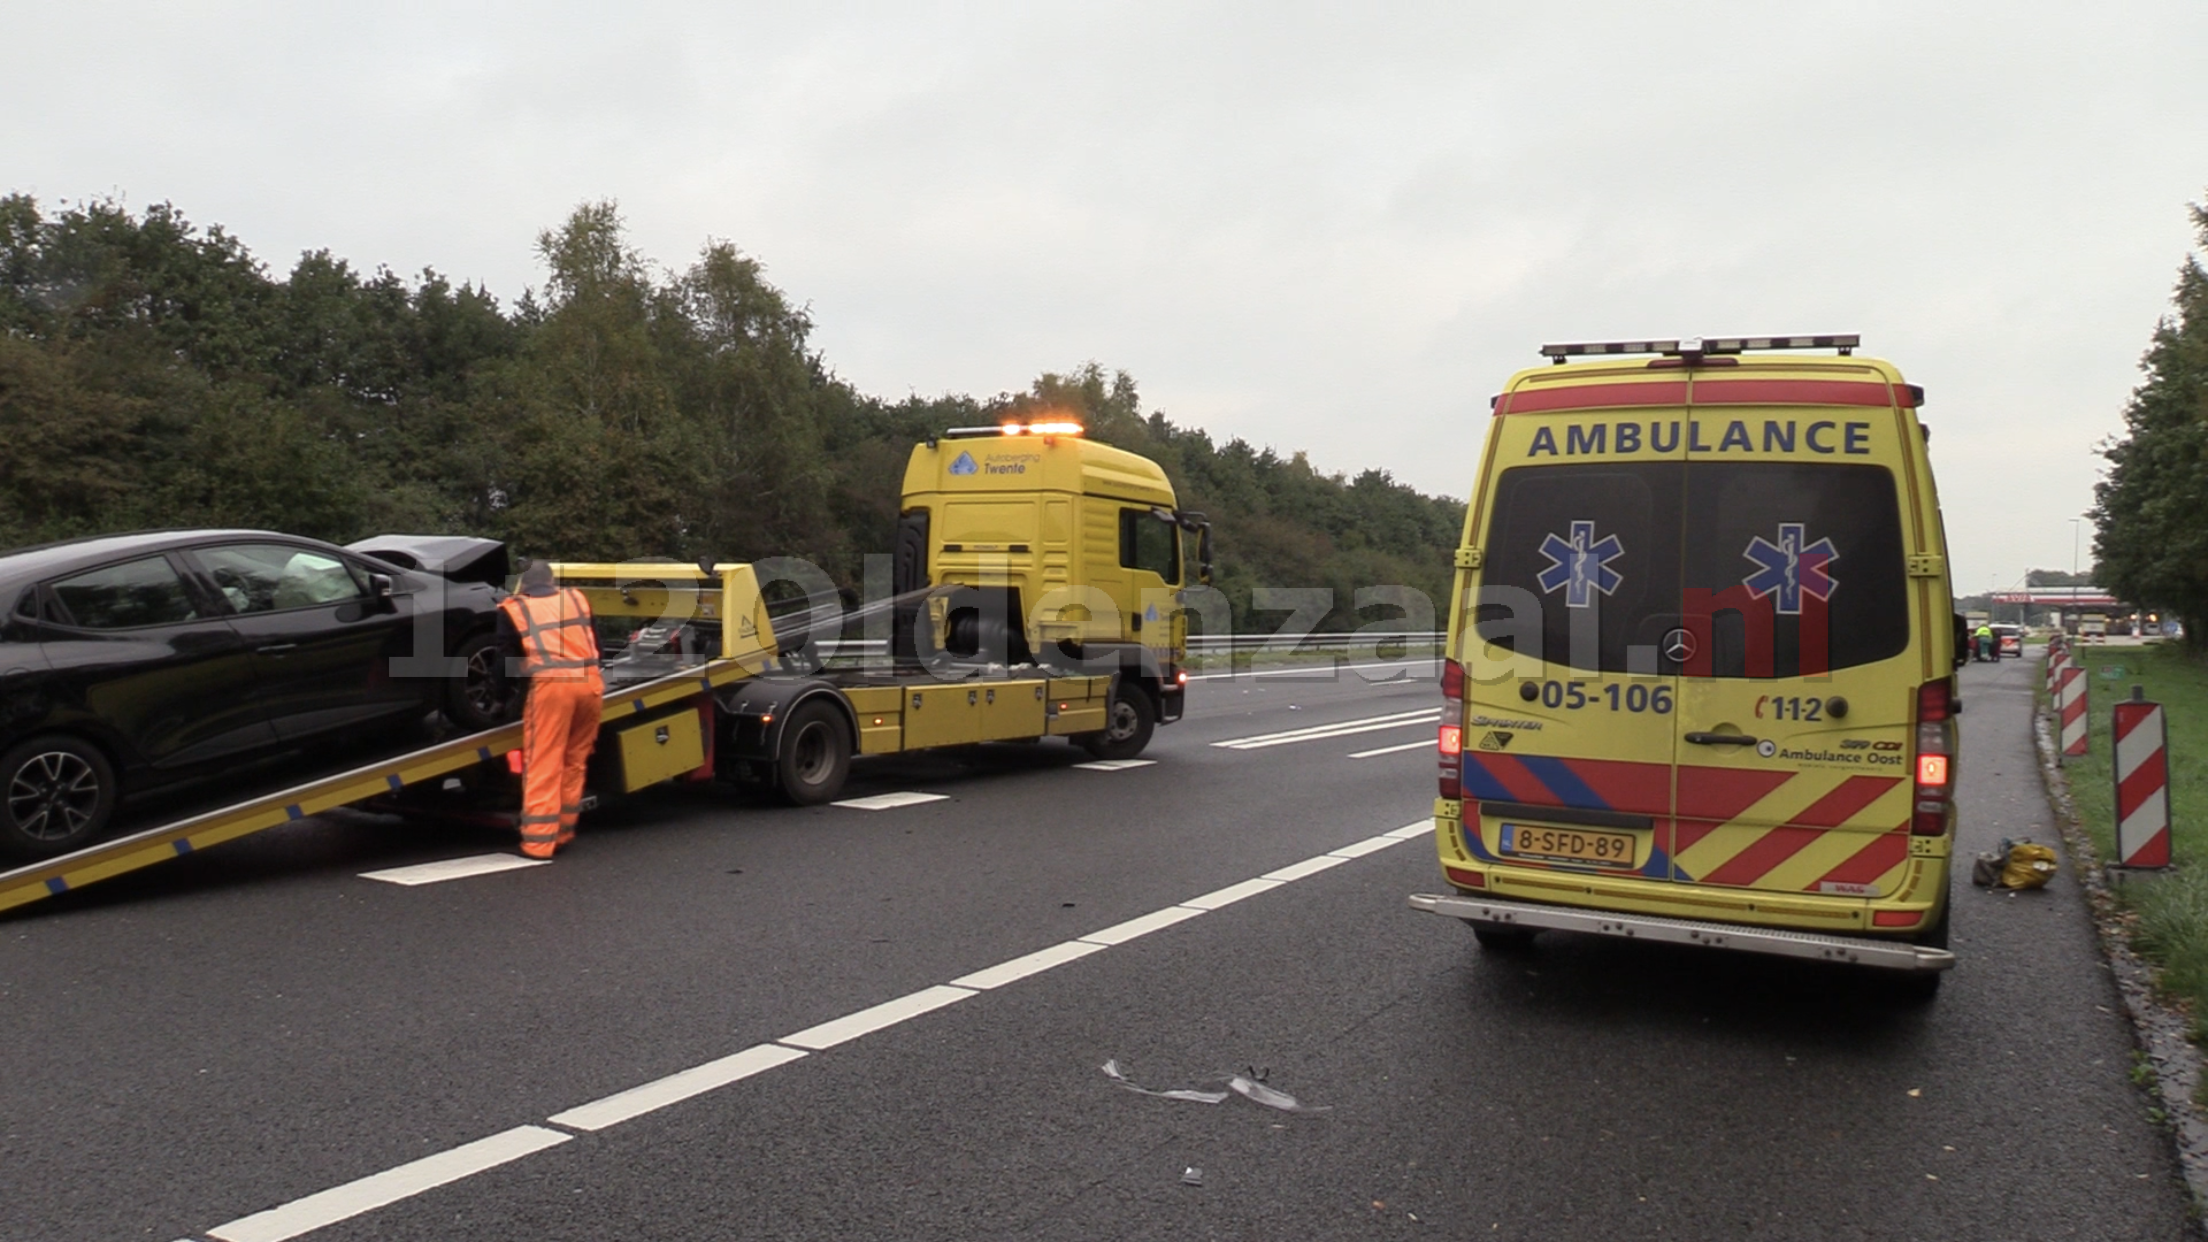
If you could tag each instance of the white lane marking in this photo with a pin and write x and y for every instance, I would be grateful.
(452, 869)
(1342, 728)
(889, 801)
(351, 1199)
(1156, 920)
(1033, 964)
(675, 1088)
(866, 1021)
(1230, 894)
(1308, 867)
(1115, 765)
(1370, 845)
(1420, 744)
(1308, 670)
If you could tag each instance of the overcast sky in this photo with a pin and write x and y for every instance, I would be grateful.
(1336, 228)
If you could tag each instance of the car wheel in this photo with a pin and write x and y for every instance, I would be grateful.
(814, 757)
(482, 697)
(56, 795)
(1127, 726)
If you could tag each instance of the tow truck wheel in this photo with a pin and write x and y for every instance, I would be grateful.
(1127, 726)
(56, 795)
(815, 755)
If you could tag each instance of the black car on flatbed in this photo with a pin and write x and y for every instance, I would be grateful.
(136, 662)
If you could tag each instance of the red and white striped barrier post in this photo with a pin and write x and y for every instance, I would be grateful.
(2070, 708)
(2142, 783)
(2057, 656)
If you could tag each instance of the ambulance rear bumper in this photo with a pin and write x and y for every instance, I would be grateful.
(1854, 951)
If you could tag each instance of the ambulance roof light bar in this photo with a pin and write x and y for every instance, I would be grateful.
(1016, 429)
(1695, 347)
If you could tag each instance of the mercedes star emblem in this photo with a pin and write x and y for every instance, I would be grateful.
(1679, 646)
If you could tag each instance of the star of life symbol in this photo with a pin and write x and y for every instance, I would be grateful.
(1582, 566)
(1790, 569)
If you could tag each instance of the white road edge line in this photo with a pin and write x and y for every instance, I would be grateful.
(675, 1088)
(869, 1020)
(1156, 920)
(1420, 744)
(338, 1203)
(1032, 964)
(1115, 765)
(327, 1207)
(452, 869)
(1309, 670)
(1313, 733)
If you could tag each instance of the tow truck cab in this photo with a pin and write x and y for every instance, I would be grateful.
(1700, 675)
(1046, 547)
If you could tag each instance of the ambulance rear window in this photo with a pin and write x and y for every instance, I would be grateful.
(1771, 569)
(1797, 565)
(1583, 562)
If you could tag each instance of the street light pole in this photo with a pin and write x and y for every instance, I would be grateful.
(2074, 550)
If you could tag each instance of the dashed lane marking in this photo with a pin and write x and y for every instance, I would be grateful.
(289, 1220)
(1420, 744)
(1342, 728)
(890, 801)
(452, 869)
(1115, 765)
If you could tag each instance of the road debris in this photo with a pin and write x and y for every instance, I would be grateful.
(1192, 1176)
(1250, 1085)
(1113, 1072)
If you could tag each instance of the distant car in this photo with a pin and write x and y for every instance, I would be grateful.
(2008, 640)
(131, 663)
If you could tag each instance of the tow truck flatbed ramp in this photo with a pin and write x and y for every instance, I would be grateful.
(173, 840)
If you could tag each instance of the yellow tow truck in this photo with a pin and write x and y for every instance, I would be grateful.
(1038, 590)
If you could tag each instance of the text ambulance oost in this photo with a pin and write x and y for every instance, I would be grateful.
(1700, 661)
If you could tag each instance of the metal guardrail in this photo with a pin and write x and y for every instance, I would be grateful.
(1214, 644)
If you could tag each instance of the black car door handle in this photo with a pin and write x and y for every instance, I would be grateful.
(274, 648)
(1720, 739)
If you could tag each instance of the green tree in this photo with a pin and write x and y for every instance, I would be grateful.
(2150, 541)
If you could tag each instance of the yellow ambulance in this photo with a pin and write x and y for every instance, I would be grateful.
(1700, 674)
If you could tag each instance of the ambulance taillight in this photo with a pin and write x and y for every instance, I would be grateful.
(1451, 742)
(1935, 758)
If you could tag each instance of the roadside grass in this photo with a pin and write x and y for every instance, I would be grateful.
(2171, 909)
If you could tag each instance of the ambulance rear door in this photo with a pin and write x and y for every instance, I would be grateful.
(1568, 740)
(1799, 670)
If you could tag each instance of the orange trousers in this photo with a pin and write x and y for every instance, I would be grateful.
(559, 726)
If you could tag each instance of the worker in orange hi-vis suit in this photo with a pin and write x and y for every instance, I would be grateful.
(546, 633)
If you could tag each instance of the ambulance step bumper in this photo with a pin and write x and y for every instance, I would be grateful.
(1855, 951)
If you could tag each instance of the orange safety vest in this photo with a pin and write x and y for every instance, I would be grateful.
(557, 640)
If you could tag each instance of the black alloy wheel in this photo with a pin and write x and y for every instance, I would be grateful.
(482, 697)
(58, 795)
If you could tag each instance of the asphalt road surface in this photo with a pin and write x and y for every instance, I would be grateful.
(715, 1019)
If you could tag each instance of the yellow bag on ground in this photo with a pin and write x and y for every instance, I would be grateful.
(2030, 865)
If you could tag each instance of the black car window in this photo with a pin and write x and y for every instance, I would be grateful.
(125, 596)
(1797, 567)
(1591, 553)
(271, 577)
(1148, 542)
